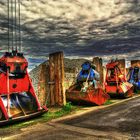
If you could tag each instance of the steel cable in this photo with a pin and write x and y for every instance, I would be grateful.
(14, 29)
(15, 25)
(8, 25)
(19, 24)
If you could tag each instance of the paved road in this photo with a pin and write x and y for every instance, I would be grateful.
(121, 121)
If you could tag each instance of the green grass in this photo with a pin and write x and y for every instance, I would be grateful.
(67, 109)
(137, 91)
(108, 102)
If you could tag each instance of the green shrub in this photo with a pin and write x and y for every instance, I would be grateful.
(68, 107)
(108, 102)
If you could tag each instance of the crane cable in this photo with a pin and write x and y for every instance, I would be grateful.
(12, 18)
(15, 25)
(14, 29)
(8, 26)
(19, 29)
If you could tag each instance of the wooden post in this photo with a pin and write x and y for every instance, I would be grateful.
(104, 76)
(51, 80)
(42, 85)
(99, 67)
(56, 83)
(135, 63)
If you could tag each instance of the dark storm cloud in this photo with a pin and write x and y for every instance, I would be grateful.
(84, 33)
(91, 43)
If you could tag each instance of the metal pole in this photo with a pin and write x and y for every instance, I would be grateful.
(8, 95)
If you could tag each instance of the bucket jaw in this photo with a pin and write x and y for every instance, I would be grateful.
(90, 96)
(19, 104)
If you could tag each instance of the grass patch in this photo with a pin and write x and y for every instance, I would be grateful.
(137, 92)
(108, 102)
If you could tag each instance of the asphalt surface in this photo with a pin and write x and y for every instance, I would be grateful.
(120, 121)
(124, 117)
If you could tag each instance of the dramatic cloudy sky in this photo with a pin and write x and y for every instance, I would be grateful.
(80, 28)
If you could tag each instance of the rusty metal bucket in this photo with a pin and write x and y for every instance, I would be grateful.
(93, 96)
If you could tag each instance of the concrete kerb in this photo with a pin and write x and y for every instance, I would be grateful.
(91, 109)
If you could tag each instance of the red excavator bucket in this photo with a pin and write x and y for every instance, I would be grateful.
(91, 96)
(18, 100)
(115, 83)
(87, 88)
